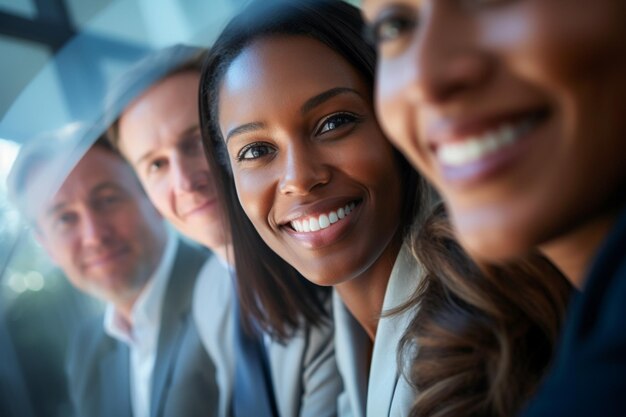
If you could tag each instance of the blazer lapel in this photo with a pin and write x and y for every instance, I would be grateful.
(384, 372)
(352, 357)
(174, 318)
(283, 358)
(115, 381)
(166, 357)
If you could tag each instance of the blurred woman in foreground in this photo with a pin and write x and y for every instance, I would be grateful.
(514, 110)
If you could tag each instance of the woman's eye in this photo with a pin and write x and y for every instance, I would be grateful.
(254, 151)
(389, 26)
(336, 121)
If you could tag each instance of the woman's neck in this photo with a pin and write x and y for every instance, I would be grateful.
(364, 295)
(573, 252)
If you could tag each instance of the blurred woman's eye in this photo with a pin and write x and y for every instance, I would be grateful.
(336, 121)
(474, 4)
(254, 151)
(390, 25)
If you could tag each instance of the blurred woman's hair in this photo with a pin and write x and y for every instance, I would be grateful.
(271, 290)
(483, 335)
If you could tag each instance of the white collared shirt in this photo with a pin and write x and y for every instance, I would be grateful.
(142, 338)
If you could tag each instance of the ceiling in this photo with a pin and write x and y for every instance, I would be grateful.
(64, 54)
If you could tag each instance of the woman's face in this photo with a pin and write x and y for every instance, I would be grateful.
(312, 168)
(514, 109)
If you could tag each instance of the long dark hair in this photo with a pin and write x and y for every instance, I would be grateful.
(485, 334)
(467, 314)
(271, 290)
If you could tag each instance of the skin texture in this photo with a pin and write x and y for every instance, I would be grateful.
(470, 68)
(309, 152)
(160, 136)
(102, 231)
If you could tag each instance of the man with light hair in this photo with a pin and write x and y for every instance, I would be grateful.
(100, 228)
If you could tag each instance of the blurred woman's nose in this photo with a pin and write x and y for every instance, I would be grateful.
(444, 58)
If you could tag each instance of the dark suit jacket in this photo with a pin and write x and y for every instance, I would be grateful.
(589, 374)
(183, 379)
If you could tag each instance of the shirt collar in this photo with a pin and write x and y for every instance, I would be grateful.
(146, 312)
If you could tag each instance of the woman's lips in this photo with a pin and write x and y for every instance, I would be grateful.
(490, 147)
(321, 229)
(313, 223)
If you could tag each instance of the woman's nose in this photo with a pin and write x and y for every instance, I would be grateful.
(445, 57)
(303, 170)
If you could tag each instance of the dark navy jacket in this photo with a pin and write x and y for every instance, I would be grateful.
(589, 374)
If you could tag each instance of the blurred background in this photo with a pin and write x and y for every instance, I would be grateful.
(60, 57)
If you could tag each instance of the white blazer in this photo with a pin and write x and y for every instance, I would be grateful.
(304, 372)
(388, 393)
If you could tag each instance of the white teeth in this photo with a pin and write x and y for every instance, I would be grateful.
(313, 224)
(475, 148)
(324, 221)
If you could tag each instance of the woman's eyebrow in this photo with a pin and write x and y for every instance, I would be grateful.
(309, 105)
(244, 128)
(317, 100)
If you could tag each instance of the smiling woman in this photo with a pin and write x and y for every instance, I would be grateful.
(312, 179)
(316, 155)
(314, 190)
(517, 116)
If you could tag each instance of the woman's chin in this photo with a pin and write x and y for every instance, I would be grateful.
(493, 245)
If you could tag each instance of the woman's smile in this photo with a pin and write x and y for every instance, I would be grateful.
(313, 171)
(473, 150)
(318, 228)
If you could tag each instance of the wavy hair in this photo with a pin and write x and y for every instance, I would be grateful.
(483, 335)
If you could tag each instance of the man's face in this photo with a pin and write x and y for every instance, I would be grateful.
(160, 136)
(101, 230)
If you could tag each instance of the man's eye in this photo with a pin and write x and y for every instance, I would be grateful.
(110, 199)
(254, 151)
(65, 220)
(107, 202)
(192, 146)
(336, 121)
(157, 165)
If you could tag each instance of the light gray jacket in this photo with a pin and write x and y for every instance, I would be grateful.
(304, 372)
(387, 393)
